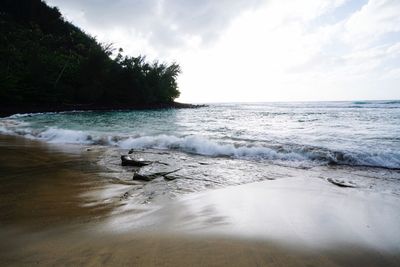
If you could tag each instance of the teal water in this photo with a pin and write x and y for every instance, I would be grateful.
(362, 133)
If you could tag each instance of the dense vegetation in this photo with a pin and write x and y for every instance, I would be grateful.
(47, 61)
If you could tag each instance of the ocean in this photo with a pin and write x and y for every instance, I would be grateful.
(305, 135)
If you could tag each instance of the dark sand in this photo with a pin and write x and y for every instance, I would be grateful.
(68, 248)
(46, 218)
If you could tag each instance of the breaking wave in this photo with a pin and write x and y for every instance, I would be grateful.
(289, 153)
(54, 135)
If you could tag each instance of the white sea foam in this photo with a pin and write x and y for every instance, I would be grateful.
(9, 126)
(22, 115)
(207, 147)
(4, 130)
(203, 146)
(194, 144)
(54, 135)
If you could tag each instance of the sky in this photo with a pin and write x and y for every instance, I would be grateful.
(257, 50)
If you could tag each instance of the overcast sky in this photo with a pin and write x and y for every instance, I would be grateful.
(257, 50)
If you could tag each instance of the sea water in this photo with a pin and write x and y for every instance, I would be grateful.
(363, 133)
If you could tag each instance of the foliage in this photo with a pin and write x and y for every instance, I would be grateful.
(47, 60)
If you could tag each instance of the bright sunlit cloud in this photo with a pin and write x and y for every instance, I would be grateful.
(257, 50)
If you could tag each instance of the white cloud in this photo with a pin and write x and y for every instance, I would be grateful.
(164, 23)
(376, 18)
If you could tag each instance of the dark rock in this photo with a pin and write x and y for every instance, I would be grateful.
(129, 161)
(151, 176)
(341, 183)
(131, 151)
(170, 177)
(142, 177)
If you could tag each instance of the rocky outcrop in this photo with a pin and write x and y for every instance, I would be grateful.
(127, 160)
(341, 183)
(149, 176)
(149, 170)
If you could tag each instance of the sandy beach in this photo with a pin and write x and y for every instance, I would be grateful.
(200, 133)
(53, 212)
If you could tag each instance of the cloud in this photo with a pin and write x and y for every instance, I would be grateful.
(364, 43)
(163, 23)
(372, 21)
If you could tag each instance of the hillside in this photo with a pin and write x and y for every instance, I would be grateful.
(48, 64)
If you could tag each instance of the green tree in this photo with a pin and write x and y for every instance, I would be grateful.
(45, 60)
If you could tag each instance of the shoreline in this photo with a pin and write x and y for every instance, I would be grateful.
(6, 111)
(69, 214)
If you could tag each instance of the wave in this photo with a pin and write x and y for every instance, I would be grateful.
(23, 115)
(362, 103)
(388, 102)
(202, 146)
(391, 102)
(291, 154)
(54, 135)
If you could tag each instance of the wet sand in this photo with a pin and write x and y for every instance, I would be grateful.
(49, 215)
(83, 249)
(42, 185)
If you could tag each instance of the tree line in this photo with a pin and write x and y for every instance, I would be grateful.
(46, 60)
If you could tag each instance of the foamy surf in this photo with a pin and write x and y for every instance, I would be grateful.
(63, 136)
(289, 154)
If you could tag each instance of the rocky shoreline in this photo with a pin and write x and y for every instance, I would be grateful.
(6, 111)
(142, 176)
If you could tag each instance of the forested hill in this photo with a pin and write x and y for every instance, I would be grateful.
(48, 63)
